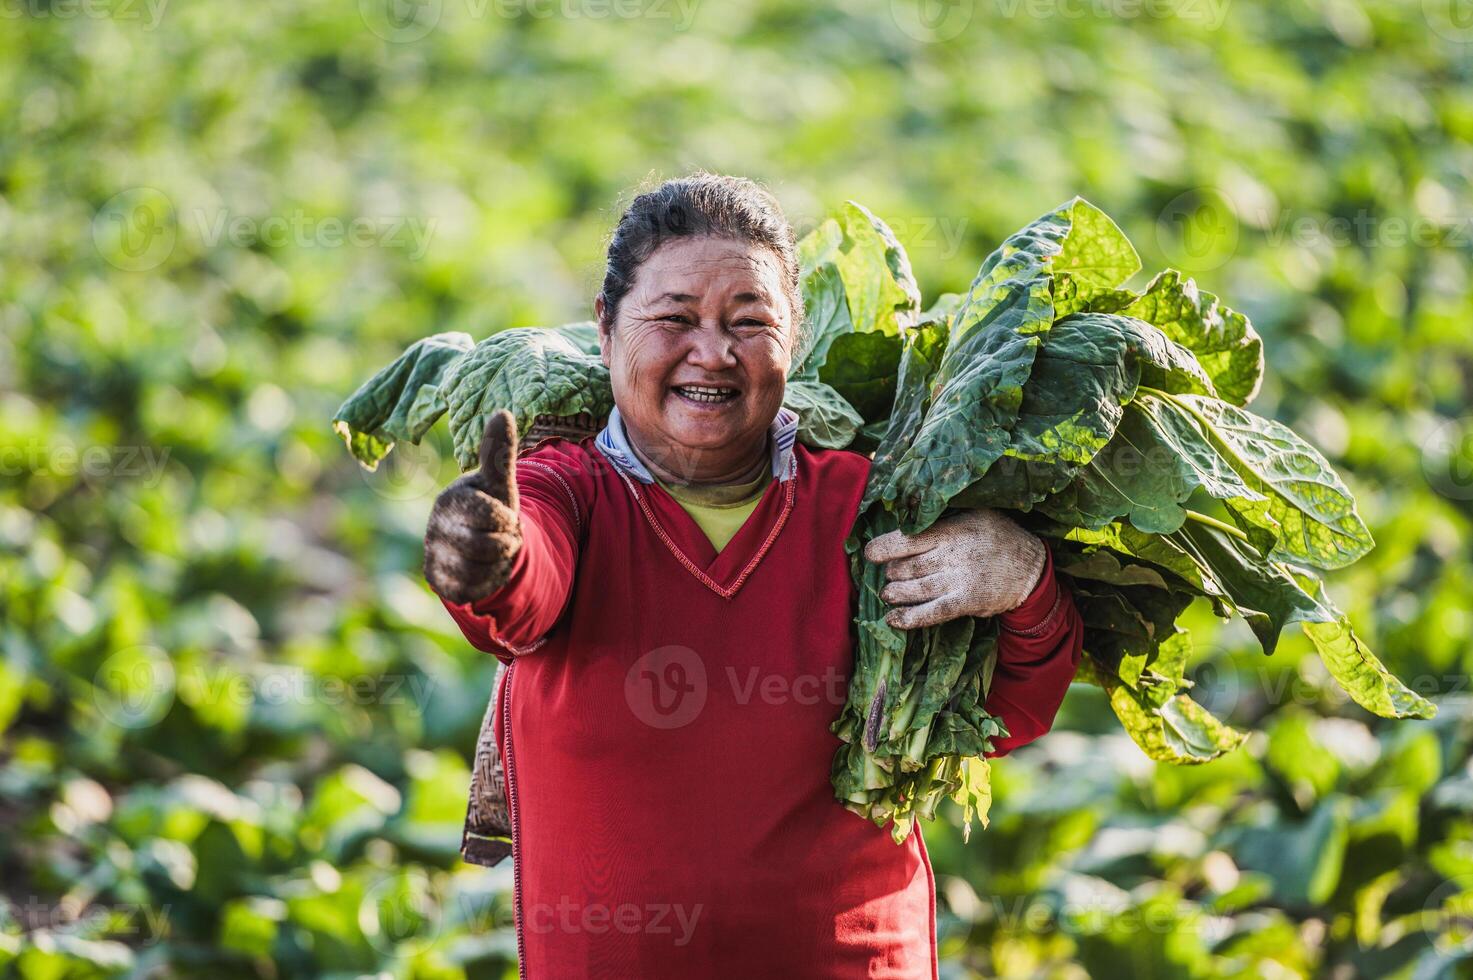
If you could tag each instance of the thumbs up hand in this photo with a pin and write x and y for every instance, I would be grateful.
(475, 532)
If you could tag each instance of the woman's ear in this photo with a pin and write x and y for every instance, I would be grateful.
(603, 328)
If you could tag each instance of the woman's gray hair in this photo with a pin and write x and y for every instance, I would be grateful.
(700, 205)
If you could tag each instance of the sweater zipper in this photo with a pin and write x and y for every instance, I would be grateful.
(510, 766)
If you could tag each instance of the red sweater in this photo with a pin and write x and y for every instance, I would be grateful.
(668, 748)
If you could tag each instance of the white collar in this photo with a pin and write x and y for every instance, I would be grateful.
(613, 442)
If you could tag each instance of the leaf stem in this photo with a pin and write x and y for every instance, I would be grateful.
(1215, 523)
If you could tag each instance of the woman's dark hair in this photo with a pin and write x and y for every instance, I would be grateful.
(701, 204)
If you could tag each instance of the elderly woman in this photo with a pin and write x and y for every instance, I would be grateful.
(674, 603)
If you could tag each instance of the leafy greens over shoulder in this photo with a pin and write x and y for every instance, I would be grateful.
(1111, 422)
(858, 294)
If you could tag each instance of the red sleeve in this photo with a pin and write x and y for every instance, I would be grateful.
(516, 618)
(1038, 648)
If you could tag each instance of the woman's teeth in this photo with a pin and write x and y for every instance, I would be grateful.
(702, 393)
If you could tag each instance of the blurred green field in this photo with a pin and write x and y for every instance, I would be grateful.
(235, 726)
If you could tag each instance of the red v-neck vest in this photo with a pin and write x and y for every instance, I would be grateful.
(664, 729)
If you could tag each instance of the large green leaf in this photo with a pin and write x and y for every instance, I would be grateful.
(1225, 343)
(825, 419)
(582, 335)
(1163, 363)
(855, 278)
(528, 371)
(1355, 668)
(978, 387)
(1070, 410)
(1126, 624)
(1086, 369)
(1269, 597)
(881, 289)
(1262, 592)
(1119, 633)
(825, 316)
(1074, 296)
(1125, 540)
(864, 369)
(974, 405)
(1096, 253)
(402, 401)
(920, 361)
(1167, 725)
(1156, 461)
(1309, 515)
(1102, 565)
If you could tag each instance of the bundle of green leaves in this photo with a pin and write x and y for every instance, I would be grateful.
(1109, 421)
(1112, 423)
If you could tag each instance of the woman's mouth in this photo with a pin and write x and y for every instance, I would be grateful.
(706, 394)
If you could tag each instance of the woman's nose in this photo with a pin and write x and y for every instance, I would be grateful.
(711, 350)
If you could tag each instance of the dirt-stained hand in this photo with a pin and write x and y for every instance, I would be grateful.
(977, 563)
(475, 530)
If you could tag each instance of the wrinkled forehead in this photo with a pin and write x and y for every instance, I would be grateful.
(710, 269)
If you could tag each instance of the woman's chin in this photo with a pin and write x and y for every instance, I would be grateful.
(706, 437)
(706, 418)
(706, 429)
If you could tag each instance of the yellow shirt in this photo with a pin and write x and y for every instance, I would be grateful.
(721, 511)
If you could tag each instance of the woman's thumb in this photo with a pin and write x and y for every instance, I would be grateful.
(498, 458)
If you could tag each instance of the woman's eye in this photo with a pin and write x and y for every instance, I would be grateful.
(680, 318)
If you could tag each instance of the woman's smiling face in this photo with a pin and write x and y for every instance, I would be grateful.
(698, 354)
